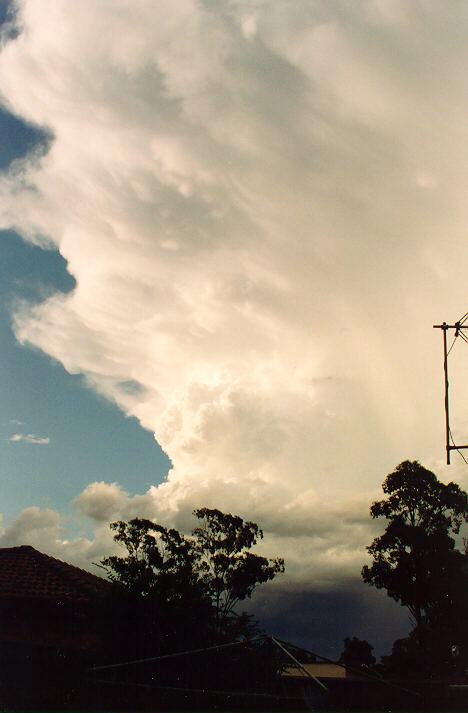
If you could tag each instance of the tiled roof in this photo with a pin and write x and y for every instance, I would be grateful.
(25, 572)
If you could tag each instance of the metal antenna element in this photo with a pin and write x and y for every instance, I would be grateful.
(458, 327)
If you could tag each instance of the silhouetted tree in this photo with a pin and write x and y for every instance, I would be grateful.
(415, 559)
(161, 601)
(357, 653)
(159, 561)
(406, 660)
(228, 570)
(190, 584)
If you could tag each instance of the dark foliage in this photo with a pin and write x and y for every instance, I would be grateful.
(357, 654)
(227, 569)
(416, 561)
(181, 592)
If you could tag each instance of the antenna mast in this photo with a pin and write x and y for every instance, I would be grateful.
(458, 327)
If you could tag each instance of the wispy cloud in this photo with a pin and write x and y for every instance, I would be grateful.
(29, 438)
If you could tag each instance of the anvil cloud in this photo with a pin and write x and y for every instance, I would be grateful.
(263, 204)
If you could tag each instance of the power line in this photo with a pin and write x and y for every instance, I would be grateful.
(464, 337)
(453, 344)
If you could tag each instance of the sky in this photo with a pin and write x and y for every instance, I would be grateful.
(226, 238)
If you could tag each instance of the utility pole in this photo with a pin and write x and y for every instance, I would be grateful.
(458, 327)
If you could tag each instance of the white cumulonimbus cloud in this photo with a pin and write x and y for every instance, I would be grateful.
(263, 204)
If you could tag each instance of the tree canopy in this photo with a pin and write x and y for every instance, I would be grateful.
(417, 498)
(415, 559)
(209, 572)
(357, 653)
(159, 561)
(228, 570)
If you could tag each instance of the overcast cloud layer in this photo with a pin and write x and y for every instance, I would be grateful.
(264, 207)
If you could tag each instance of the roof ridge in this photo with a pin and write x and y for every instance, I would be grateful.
(67, 569)
(61, 576)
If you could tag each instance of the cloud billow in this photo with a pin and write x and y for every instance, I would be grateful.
(259, 202)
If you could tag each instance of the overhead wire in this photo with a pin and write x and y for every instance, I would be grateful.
(453, 344)
(459, 451)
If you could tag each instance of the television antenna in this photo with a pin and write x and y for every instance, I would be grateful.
(459, 328)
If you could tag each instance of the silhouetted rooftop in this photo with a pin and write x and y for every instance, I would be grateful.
(26, 572)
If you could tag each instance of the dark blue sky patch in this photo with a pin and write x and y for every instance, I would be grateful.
(6, 11)
(18, 139)
(28, 271)
(8, 19)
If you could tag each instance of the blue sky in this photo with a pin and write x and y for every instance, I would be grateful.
(90, 439)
